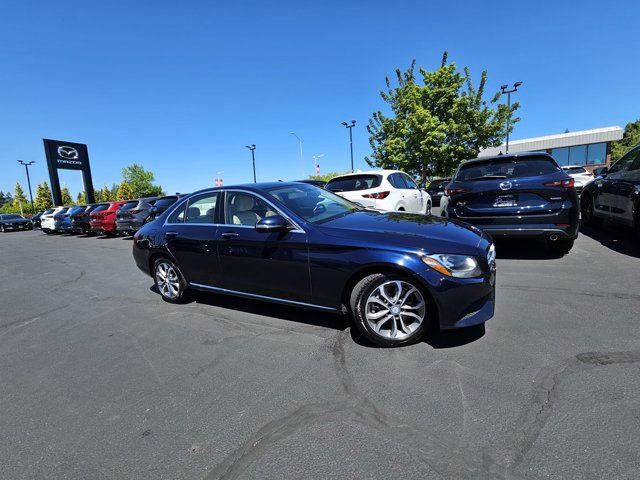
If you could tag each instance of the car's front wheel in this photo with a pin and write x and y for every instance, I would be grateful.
(428, 209)
(390, 310)
(170, 282)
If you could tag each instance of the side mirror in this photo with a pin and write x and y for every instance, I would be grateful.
(153, 210)
(601, 172)
(274, 223)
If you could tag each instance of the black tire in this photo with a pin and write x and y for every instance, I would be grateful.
(183, 294)
(562, 246)
(586, 211)
(361, 294)
(428, 211)
(2, 229)
(48, 232)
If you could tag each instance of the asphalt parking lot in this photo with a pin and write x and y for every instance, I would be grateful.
(100, 378)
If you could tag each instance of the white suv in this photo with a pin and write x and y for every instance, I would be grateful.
(47, 224)
(386, 190)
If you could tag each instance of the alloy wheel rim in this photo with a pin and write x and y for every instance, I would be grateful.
(167, 280)
(586, 210)
(395, 309)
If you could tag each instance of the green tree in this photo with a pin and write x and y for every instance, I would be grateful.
(106, 195)
(325, 177)
(2, 198)
(630, 139)
(436, 121)
(43, 197)
(125, 192)
(66, 196)
(81, 199)
(19, 198)
(141, 181)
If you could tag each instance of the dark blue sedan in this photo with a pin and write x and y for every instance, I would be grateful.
(397, 274)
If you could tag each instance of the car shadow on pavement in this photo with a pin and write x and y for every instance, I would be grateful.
(615, 237)
(274, 310)
(524, 249)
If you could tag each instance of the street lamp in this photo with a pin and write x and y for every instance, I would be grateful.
(252, 147)
(301, 157)
(504, 91)
(26, 167)
(350, 127)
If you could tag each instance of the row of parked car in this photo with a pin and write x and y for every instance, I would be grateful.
(123, 217)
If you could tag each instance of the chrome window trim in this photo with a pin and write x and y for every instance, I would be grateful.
(261, 297)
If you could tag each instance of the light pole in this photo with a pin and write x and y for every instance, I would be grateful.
(350, 127)
(301, 157)
(504, 90)
(26, 167)
(252, 147)
(315, 162)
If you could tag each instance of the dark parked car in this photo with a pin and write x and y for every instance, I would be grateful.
(520, 195)
(615, 193)
(436, 190)
(161, 205)
(397, 273)
(10, 221)
(35, 219)
(317, 183)
(62, 220)
(133, 214)
(80, 219)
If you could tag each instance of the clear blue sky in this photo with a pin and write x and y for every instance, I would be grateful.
(182, 87)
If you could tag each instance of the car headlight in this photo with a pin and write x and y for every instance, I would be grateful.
(460, 266)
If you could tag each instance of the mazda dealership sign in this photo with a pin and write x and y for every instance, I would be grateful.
(68, 156)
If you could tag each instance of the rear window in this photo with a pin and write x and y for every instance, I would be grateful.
(11, 217)
(438, 183)
(353, 182)
(165, 202)
(48, 211)
(575, 170)
(129, 205)
(100, 208)
(507, 168)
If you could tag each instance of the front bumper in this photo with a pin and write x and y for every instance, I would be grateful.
(461, 302)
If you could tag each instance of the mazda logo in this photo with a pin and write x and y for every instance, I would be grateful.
(505, 185)
(68, 152)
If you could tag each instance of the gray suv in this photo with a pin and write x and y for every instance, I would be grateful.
(132, 215)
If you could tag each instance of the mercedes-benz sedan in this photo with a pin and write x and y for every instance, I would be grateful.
(397, 274)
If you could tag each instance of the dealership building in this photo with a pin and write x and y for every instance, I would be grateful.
(589, 148)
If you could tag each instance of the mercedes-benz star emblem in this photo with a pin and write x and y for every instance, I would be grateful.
(505, 185)
(68, 152)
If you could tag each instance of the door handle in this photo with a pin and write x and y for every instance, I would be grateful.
(230, 235)
(171, 234)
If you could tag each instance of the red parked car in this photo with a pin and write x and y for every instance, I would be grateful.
(103, 218)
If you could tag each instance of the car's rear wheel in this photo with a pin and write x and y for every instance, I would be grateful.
(170, 282)
(390, 310)
(586, 211)
(428, 209)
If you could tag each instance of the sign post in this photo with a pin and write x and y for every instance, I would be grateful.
(68, 156)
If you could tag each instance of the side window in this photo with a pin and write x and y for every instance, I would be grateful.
(636, 163)
(624, 163)
(409, 181)
(246, 209)
(396, 181)
(178, 214)
(202, 209)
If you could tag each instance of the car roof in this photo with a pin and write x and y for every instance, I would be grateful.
(508, 156)
(368, 172)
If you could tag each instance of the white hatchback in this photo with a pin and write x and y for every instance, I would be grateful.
(47, 224)
(386, 190)
(580, 175)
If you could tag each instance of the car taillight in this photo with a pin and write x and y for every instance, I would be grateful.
(454, 191)
(377, 196)
(569, 183)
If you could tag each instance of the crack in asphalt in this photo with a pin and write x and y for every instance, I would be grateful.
(446, 459)
(530, 423)
(8, 327)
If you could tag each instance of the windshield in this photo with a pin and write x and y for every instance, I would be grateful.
(313, 204)
(351, 183)
(507, 168)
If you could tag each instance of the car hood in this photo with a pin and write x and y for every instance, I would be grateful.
(417, 232)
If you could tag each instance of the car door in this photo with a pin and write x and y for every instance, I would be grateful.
(274, 265)
(625, 188)
(191, 235)
(609, 188)
(413, 195)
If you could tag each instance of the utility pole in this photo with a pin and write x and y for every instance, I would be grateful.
(26, 167)
(504, 90)
(350, 127)
(252, 147)
(301, 156)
